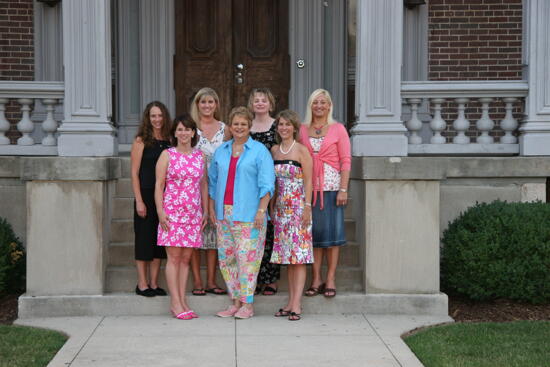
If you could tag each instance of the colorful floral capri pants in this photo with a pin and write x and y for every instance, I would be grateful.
(240, 251)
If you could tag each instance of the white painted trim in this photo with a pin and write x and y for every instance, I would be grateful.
(31, 89)
(464, 149)
(36, 149)
(473, 89)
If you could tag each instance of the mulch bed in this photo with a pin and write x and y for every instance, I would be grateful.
(463, 310)
(460, 309)
(8, 309)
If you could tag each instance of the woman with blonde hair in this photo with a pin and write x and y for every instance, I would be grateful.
(261, 103)
(329, 145)
(241, 181)
(205, 111)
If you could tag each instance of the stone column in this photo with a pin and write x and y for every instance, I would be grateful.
(68, 223)
(86, 129)
(379, 130)
(535, 132)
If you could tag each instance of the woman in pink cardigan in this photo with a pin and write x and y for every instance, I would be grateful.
(329, 145)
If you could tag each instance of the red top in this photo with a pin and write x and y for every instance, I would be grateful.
(228, 198)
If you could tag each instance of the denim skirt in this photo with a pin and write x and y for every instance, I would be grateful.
(328, 223)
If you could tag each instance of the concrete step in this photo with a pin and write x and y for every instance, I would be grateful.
(129, 304)
(123, 208)
(122, 254)
(123, 279)
(122, 230)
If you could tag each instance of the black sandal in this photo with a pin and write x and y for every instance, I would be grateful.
(293, 316)
(282, 313)
(271, 291)
(198, 292)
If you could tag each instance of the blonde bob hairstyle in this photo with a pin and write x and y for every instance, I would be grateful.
(240, 111)
(291, 117)
(194, 109)
(316, 93)
(267, 93)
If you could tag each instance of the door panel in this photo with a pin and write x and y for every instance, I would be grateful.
(203, 51)
(261, 45)
(214, 36)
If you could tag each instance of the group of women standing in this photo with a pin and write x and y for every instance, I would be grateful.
(245, 192)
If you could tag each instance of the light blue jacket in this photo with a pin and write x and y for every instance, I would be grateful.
(254, 178)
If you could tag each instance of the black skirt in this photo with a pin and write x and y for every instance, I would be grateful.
(145, 230)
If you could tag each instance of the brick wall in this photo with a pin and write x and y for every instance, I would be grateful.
(475, 39)
(16, 49)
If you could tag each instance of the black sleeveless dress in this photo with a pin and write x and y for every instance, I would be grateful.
(269, 273)
(145, 229)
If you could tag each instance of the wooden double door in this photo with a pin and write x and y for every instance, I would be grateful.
(231, 46)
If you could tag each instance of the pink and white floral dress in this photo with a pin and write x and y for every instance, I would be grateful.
(182, 200)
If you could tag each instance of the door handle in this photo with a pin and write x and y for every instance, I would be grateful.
(239, 67)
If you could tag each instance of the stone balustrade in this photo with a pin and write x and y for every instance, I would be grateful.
(429, 133)
(26, 94)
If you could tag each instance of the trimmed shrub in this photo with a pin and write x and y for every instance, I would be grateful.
(12, 260)
(499, 250)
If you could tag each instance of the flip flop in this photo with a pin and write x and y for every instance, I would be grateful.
(282, 313)
(186, 315)
(293, 316)
(216, 290)
(313, 291)
(329, 292)
(198, 292)
(270, 291)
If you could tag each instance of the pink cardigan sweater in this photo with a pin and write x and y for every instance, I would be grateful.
(335, 151)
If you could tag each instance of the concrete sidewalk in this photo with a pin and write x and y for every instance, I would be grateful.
(263, 341)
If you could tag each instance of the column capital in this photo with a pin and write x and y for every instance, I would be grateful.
(379, 130)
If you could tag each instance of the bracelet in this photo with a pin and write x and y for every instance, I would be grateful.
(308, 204)
(261, 210)
(343, 190)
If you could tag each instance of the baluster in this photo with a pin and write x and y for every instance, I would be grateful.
(461, 124)
(25, 126)
(4, 124)
(437, 124)
(49, 125)
(509, 124)
(485, 124)
(414, 124)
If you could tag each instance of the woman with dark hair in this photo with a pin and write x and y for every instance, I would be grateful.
(241, 182)
(292, 210)
(181, 196)
(262, 104)
(329, 145)
(152, 138)
(212, 132)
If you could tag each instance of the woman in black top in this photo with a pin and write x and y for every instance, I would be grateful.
(261, 103)
(152, 138)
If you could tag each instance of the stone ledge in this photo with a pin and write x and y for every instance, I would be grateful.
(118, 304)
(9, 167)
(440, 168)
(70, 168)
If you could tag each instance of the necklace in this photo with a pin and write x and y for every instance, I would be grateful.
(289, 149)
(237, 150)
(319, 130)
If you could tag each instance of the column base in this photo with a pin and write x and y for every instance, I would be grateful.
(379, 145)
(534, 139)
(87, 140)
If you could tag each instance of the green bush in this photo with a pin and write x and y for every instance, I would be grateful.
(12, 260)
(499, 250)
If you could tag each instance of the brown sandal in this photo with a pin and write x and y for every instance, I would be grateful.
(312, 291)
(329, 292)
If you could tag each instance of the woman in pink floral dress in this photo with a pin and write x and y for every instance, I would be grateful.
(292, 243)
(181, 197)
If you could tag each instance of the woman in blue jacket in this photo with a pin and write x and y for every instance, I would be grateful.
(241, 182)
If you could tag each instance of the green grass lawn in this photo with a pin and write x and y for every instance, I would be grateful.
(511, 344)
(22, 346)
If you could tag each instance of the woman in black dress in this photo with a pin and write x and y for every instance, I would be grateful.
(261, 103)
(152, 138)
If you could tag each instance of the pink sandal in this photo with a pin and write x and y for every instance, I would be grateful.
(185, 315)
